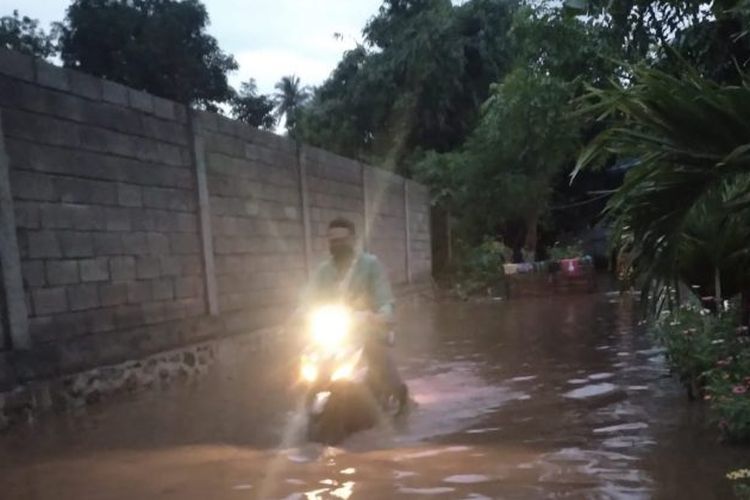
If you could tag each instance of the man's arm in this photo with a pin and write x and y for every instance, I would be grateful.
(383, 301)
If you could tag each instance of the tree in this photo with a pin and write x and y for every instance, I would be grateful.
(160, 46)
(290, 97)
(252, 108)
(687, 194)
(416, 84)
(23, 35)
(503, 177)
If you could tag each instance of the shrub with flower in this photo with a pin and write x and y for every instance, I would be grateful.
(694, 342)
(711, 356)
(741, 483)
(729, 390)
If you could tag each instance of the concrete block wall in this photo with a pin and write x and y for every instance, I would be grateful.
(420, 242)
(129, 209)
(256, 218)
(387, 221)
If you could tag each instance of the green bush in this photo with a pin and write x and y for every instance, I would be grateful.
(728, 388)
(693, 339)
(482, 267)
(741, 482)
(560, 252)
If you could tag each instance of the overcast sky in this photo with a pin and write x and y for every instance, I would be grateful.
(269, 38)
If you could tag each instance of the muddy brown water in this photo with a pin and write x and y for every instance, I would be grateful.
(547, 398)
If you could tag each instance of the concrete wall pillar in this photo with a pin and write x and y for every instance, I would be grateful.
(204, 213)
(14, 309)
(302, 160)
(407, 231)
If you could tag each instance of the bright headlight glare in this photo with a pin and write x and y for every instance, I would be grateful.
(330, 325)
(309, 372)
(344, 372)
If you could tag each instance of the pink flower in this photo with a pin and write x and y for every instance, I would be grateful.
(742, 330)
(739, 389)
(723, 424)
(724, 362)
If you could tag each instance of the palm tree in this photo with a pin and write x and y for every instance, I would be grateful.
(290, 97)
(687, 194)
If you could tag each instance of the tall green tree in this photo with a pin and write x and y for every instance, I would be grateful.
(24, 35)
(255, 109)
(417, 82)
(160, 46)
(290, 97)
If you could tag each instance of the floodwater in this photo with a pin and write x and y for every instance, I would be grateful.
(541, 398)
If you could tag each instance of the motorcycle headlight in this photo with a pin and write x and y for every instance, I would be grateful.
(330, 325)
(309, 371)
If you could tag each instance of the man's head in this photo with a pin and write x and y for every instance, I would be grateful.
(341, 239)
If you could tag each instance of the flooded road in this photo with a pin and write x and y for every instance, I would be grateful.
(545, 398)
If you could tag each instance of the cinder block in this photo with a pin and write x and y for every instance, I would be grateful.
(164, 108)
(43, 244)
(154, 313)
(27, 215)
(85, 85)
(94, 269)
(170, 265)
(31, 186)
(129, 316)
(188, 287)
(140, 292)
(100, 321)
(115, 93)
(76, 244)
(135, 243)
(184, 243)
(113, 294)
(17, 65)
(148, 267)
(84, 191)
(163, 289)
(191, 265)
(62, 272)
(169, 154)
(141, 101)
(122, 269)
(52, 76)
(33, 273)
(49, 301)
(82, 297)
(158, 243)
(86, 217)
(129, 195)
(118, 219)
(187, 223)
(108, 244)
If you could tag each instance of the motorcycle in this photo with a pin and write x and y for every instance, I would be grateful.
(344, 392)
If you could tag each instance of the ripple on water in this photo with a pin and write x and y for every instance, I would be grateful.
(524, 379)
(601, 376)
(577, 381)
(622, 427)
(483, 430)
(426, 491)
(467, 479)
(431, 453)
(590, 391)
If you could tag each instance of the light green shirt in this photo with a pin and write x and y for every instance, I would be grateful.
(365, 288)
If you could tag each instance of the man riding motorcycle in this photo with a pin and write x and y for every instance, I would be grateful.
(358, 279)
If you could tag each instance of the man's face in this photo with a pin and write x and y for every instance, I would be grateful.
(340, 243)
